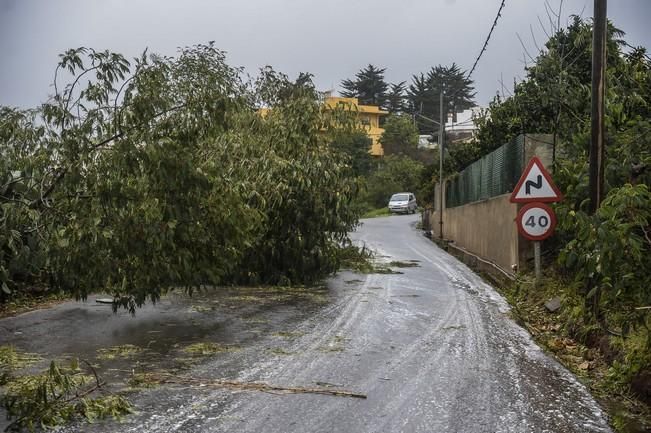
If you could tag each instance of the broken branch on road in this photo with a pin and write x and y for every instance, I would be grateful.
(165, 378)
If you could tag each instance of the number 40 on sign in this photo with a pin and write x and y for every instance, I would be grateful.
(536, 221)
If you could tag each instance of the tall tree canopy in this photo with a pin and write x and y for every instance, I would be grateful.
(555, 95)
(274, 88)
(368, 86)
(424, 92)
(400, 136)
(396, 98)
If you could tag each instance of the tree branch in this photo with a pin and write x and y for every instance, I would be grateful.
(524, 47)
(96, 146)
(646, 235)
(74, 84)
(253, 386)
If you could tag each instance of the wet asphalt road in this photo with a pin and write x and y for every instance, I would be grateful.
(433, 349)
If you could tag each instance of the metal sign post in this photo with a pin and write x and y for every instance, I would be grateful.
(536, 221)
(537, 259)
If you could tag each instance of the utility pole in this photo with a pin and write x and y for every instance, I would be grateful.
(441, 125)
(596, 172)
(441, 136)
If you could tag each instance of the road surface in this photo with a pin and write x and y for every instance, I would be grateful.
(432, 348)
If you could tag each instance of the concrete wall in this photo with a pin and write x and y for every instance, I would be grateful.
(485, 228)
(539, 145)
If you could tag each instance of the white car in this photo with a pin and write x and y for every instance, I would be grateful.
(403, 202)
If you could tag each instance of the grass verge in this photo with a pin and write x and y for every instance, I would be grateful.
(375, 213)
(28, 302)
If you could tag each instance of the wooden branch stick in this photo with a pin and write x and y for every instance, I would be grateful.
(97, 379)
(646, 234)
(253, 386)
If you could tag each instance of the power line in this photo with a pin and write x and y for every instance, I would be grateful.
(497, 17)
(465, 122)
(483, 48)
(442, 120)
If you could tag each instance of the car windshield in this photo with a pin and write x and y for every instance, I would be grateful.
(399, 197)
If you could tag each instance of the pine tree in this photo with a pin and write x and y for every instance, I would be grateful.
(457, 88)
(368, 87)
(350, 89)
(396, 98)
(424, 93)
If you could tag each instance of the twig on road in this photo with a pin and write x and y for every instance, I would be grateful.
(161, 378)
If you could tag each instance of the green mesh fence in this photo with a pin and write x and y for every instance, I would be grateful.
(495, 174)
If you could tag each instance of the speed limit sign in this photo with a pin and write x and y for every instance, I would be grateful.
(536, 221)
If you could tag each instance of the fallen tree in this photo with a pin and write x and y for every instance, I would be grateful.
(133, 179)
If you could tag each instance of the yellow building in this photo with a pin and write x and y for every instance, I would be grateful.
(369, 118)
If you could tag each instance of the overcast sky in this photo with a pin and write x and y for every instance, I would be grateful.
(332, 39)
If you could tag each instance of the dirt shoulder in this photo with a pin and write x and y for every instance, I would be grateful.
(31, 302)
(592, 354)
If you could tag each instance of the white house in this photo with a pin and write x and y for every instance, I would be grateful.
(461, 130)
(465, 127)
